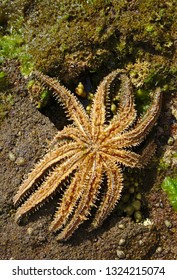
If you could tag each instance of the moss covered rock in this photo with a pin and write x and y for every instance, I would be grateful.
(69, 37)
(66, 38)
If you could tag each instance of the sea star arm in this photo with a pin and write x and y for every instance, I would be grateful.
(136, 135)
(50, 159)
(48, 187)
(75, 109)
(71, 197)
(114, 177)
(147, 154)
(67, 204)
(113, 193)
(68, 132)
(91, 187)
(126, 113)
(98, 110)
(129, 158)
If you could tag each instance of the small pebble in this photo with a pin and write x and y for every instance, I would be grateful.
(20, 161)
(161, 205)
(121, 226)
(147, 222)
(159, 250)
(12, 156)
(121, 241)
(30, 230)
(168, 223)
(120, 254)
(140, 242)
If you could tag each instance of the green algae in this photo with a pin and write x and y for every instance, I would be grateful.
(169, 185)
(12, 47)
(163, 165)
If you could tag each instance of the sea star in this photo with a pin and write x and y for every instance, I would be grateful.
(87, 150)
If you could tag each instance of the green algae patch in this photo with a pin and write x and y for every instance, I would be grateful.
(12, 41)
(12, 46)
(169, 185)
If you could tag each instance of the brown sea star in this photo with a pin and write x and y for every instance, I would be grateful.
(86, 151)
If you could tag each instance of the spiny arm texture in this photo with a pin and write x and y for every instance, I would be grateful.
(87, 151)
